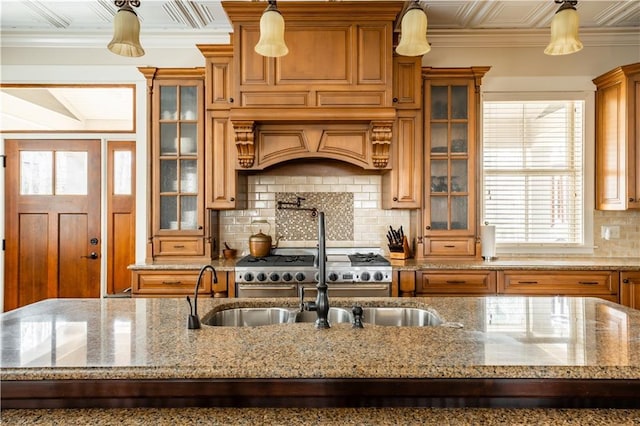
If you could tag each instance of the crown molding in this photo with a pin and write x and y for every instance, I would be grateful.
(529, 38)
(159, 39)
(438, 38)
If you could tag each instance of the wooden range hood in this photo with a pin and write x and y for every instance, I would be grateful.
(330, 97)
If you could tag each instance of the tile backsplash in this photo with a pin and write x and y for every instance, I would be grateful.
(628, 244)
(300, 223)
(354, 216)
(352, 206)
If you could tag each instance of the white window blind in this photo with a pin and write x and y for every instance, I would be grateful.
(532, 172)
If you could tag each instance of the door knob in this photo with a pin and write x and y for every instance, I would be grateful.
(92, 255)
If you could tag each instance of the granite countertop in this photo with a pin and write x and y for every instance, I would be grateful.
(324, 416)
(502, 337)
(525, 263)
(503, 263)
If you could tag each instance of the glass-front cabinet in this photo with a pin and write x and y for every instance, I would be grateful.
(450, 119)
(178, 157)
(177, 152)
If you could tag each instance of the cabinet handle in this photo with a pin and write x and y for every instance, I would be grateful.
(232, 199)
(449, 246)
(626, 281)
(395, 198)
(178, 246)
(631, 200)
(527, 282)
(455, 282)
(395, 99)
(231, 100)
(172, 282)
(428, 227)
(588, 282)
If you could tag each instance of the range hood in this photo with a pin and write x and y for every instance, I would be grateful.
(331, 97)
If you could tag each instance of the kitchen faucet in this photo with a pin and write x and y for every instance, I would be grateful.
(321, 305)
(193, 321)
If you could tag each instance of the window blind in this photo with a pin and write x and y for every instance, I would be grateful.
(532, 171)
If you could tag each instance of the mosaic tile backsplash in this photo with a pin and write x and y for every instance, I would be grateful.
(296, 223)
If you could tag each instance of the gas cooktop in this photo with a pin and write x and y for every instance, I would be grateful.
(344, 265)
(277, 260)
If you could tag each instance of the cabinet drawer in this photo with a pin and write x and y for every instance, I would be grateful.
(168, 246)
(169, 283)
(456, 282)
(450, 247)
(581, 283)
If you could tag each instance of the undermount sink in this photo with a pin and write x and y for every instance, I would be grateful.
(400, 317)
(384, 316)
(249, 317)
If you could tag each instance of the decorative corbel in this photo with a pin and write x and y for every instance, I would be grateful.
(381, 134)
(245, 145)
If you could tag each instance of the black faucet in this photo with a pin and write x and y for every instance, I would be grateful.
(193, 321)
(321, 305)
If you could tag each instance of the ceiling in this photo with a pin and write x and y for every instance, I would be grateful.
(174, 23)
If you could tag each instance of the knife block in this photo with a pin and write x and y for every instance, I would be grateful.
(404, 254)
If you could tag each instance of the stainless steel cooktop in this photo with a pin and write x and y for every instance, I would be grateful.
(298, 265)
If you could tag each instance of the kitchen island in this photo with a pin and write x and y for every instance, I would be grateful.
(510, 352)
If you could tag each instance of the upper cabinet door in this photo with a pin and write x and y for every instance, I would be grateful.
(178, 224)
(617, 133)
(451, 97)
(179, 180)
(450, 165)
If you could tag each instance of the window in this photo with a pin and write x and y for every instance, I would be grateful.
(533, 175)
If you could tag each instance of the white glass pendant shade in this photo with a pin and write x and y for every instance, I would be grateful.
(271, 41)
(413, 33)
(564, 33)
(126, 34)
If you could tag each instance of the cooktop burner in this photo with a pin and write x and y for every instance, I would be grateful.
(277, 260)
(364, 259)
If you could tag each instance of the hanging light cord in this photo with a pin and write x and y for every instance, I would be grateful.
(566, 4)
(127, 4)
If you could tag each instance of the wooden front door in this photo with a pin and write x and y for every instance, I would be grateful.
(52, 220)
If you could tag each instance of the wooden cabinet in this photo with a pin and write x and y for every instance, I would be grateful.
(603, 284)
(225, 187)
(179, 282)
(451, 98)
(402, 185)
(407, 82)
(455, 282)
(177, 221)
(337, 57)
(630, 289)
(155, 283)
(617, 135)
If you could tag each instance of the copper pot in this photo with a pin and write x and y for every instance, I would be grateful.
(260, 245)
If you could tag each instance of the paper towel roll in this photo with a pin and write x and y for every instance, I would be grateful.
(488, 241)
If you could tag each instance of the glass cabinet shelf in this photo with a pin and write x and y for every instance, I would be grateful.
(178, 171)
(448, 174)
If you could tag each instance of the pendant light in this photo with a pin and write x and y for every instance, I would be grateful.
(564, 30)
(413, 32)
(271, 41)
(126, 30)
